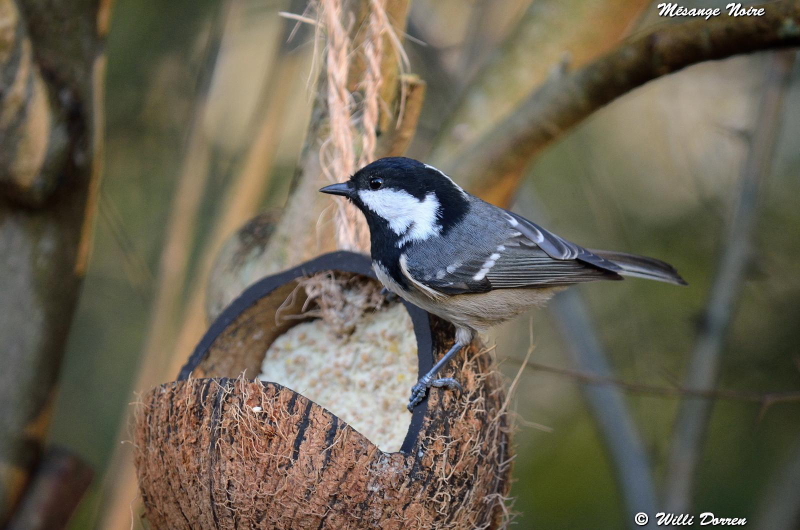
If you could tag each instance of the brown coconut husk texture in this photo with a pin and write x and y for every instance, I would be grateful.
(217, 450)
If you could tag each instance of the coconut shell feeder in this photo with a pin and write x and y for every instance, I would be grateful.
(220, 449)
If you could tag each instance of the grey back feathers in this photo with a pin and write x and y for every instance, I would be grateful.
(493, 249)
(496, 249)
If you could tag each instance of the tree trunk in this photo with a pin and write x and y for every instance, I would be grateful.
(51, 92)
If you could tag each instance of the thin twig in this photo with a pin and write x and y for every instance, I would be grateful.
(764, 399)
(512, 388)
(493, 165)
(298, 18)
(703, 371)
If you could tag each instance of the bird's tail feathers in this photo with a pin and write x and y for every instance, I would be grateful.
(642, 267)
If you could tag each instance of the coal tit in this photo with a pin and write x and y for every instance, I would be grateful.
(465, 260)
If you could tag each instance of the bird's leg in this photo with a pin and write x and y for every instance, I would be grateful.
(427, 380)
(389, 296)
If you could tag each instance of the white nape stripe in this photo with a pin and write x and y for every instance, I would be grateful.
(407, 216)
(442, 173)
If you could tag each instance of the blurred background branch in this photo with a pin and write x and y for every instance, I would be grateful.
(52, 73)
(610, 412)
(558, 30)
(609, 409)
(494, 163)
(764, 399)
(779, 509)
(703, 371)
(34, 141)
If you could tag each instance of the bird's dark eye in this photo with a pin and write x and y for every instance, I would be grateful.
(375, 183)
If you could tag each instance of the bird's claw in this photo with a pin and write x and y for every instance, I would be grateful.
(449, 383)
(420, 390)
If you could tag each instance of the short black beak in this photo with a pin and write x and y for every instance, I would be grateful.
(341, 188)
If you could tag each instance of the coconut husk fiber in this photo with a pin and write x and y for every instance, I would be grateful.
(218, 450)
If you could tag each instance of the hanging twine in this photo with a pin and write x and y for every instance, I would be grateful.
(371, 84)
(351, 143)
(354, 117)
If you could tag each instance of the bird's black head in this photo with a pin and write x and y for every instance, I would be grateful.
(404, 200)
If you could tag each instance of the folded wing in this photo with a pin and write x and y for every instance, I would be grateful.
(519, 261)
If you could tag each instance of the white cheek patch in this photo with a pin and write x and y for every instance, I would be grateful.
(406, 215)
(396, 206)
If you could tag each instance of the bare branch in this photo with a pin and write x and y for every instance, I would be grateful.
(493, 166)
(703, 371)
(608, 406)
(395, 141)
(764, 399)
(547, 32)
(41, 263)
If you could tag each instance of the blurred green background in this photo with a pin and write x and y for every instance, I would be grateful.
(655, 173)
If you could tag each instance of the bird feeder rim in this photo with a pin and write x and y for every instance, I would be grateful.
(342, 261)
